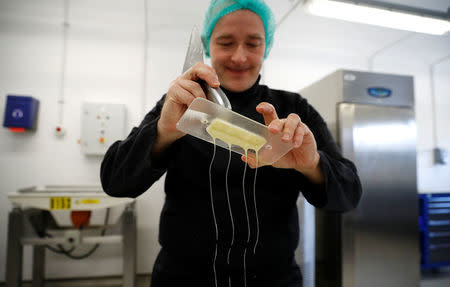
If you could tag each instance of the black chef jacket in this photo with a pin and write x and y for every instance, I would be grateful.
(187, 229)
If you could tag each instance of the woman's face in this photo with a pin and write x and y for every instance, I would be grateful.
(237, 49)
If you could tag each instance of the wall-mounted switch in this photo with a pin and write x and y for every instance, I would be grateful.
(101, 125)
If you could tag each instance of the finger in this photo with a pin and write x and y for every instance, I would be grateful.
(300, 132)
(251, 161)
(180, 95)
(290, 125)
(276, 126)
(268, 112)
(248, 161)
(192, 87)
(203, 72)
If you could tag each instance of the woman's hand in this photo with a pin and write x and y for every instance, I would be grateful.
(183, 90)
(304, 156)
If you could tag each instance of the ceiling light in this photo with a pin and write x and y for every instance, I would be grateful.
(380, 16)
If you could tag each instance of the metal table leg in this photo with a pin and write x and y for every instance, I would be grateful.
(38, 266)
(129, 247)
(15, 249)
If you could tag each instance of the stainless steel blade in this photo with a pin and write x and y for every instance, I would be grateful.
(194, 55)
(195, 50)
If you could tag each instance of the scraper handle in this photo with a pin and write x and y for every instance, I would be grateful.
(215, 95)
(218, 96)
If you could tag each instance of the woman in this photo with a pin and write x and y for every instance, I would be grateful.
(217, 228)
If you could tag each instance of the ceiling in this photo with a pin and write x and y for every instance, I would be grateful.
(193, 10)
(301, 30)
(438, 5)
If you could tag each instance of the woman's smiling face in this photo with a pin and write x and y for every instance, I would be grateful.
(237, 49)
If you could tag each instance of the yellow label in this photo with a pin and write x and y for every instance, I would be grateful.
(90, 201)
(60, 202)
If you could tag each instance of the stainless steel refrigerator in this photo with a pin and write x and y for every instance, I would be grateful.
(371, 116)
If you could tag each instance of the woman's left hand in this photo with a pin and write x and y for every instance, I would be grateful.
(304, 156)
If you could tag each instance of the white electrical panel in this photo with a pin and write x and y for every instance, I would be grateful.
(101, 125)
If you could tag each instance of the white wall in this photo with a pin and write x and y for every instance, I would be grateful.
(105, 63)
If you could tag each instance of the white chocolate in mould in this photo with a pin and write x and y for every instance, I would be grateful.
(234, 135)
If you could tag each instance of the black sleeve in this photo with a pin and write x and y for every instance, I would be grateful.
(126, 169)
(342, 188)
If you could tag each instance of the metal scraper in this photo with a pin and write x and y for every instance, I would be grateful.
(194, 55)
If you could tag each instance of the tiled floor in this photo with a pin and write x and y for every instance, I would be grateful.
(429, 279)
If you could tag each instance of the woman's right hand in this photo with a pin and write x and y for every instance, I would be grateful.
(182, 92)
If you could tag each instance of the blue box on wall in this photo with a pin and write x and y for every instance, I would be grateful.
(20, 112)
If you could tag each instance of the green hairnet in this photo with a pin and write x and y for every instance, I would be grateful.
(219, 8)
